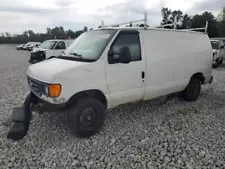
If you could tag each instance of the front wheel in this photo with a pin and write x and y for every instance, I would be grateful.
(86, 117)
(193, 89)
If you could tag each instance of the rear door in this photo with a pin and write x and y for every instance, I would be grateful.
(126, 81)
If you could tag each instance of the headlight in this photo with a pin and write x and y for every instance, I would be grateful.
(54, 90)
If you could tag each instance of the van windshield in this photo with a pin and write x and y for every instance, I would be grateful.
(89, 45)
(215, 45)
(48, 44)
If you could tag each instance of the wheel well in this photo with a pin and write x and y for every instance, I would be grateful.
(92, 93)
(200, 76)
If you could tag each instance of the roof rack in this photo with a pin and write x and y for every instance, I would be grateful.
(124, 23)
(203, 28)
(174, 24)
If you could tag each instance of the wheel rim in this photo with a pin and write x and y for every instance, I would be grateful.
(87, 119)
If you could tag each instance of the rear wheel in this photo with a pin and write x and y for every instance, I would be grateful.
(193, 89)
(86, 117)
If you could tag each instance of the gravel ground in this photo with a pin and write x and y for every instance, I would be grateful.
(163, 133)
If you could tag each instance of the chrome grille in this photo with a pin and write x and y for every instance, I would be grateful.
(36, 86)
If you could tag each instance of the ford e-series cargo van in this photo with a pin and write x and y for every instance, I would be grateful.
(110, 66)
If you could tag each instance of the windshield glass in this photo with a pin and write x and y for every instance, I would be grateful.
(89, 45)
(48, 44)
(215, 45)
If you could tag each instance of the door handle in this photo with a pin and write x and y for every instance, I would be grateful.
(143, 75)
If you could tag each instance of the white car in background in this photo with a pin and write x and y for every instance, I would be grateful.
(218, 52)
(32, 45)
(19, 47)
(49, 49)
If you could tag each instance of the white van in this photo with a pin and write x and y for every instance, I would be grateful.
(107, 67)
(218, 52)
(49, 49)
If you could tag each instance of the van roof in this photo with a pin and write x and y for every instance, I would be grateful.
(142, 28)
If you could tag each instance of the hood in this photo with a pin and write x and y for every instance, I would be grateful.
(47, 70)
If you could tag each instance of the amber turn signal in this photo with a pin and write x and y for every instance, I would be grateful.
(54, 90)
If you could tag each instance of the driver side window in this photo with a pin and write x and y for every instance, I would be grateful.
(60, 45)
(131, 40)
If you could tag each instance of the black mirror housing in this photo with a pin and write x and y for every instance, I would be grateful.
(125, 54)
(110, 56)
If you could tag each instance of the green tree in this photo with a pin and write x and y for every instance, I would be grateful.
(221, 23)
(70, 33)
(168, 17)
(85, 29)
(200, 21)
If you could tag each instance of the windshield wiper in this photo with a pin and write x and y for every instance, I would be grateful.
(76, 59)
(76, 54)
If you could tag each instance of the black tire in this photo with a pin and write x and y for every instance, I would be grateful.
(86, 110)
(193, 89)
(221, 61)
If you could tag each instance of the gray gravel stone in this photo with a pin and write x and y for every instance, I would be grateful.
(163, 133)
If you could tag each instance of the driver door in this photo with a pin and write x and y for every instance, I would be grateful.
(59, 48)
(125, 81)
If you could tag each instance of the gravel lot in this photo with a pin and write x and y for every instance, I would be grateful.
(163, 133)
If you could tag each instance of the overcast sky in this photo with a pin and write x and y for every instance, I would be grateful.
(19, 15)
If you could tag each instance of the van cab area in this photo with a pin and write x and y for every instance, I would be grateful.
(49, 49)
(110, 66)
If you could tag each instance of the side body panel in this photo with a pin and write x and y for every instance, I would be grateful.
(172, 58)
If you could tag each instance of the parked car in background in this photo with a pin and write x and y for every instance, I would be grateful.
(218, 52)
(49, 49)
(19, 47)
(32, 45)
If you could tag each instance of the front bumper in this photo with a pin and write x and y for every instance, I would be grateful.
(21, 116)
(41, 106)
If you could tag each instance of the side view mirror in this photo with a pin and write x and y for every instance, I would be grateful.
(123, 56)
(221, 47)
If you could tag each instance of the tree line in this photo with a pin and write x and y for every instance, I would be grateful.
(216, 27)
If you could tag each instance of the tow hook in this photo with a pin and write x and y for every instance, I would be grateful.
(21, 117)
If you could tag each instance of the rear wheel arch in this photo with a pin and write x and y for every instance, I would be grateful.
(95, 93)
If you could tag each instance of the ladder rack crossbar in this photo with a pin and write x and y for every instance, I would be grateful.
(174, 24)
(124, 23)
